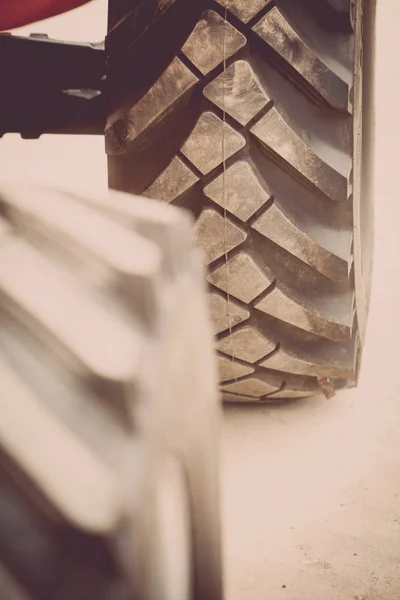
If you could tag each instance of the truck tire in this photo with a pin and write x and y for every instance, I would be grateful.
(261, 127)
(109, 404)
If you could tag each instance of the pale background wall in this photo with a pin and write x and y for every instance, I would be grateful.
(311, 491)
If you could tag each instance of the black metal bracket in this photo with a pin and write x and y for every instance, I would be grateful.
(51, 86)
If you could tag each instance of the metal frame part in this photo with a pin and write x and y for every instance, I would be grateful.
(51, 86)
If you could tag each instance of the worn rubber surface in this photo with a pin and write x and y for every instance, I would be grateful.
(97, 365)
(255, 127)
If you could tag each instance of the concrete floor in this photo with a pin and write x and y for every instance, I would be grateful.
(311, 490)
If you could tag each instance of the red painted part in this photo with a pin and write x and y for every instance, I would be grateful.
(16, 13)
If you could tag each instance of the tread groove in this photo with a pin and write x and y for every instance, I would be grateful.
(279, 229)
(257, 17)
(274, 133)
(275, 30)
(243, 11)
(190, 65)
(189, 164)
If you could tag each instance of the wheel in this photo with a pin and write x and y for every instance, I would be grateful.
(109, 427)
(255, 127)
